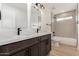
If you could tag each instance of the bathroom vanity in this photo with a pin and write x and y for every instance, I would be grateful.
(32, 39)
(36, 46)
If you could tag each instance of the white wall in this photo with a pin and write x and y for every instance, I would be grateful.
(46, 19)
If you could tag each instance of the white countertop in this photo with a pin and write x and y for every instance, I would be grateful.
(7, 40)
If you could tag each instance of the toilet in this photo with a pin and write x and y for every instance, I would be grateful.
(55, 41)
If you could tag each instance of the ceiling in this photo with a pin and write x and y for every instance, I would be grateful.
(21, 6)
(55, 7)
(60, 7)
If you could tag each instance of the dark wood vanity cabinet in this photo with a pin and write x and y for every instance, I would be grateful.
(43, 49)
(34, 50)
(45, 45)
(38, 46)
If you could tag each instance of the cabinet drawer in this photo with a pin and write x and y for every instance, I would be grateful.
(45, 37)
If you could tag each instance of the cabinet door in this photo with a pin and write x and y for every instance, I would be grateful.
(43, 48)
(34, 50)
(48, 45)
(24, 52)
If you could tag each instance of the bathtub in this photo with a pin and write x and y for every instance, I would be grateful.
(65, 40)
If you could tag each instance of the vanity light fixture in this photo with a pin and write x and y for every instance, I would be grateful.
(38, 5)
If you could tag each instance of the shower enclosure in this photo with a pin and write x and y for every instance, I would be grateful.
(64, 24)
